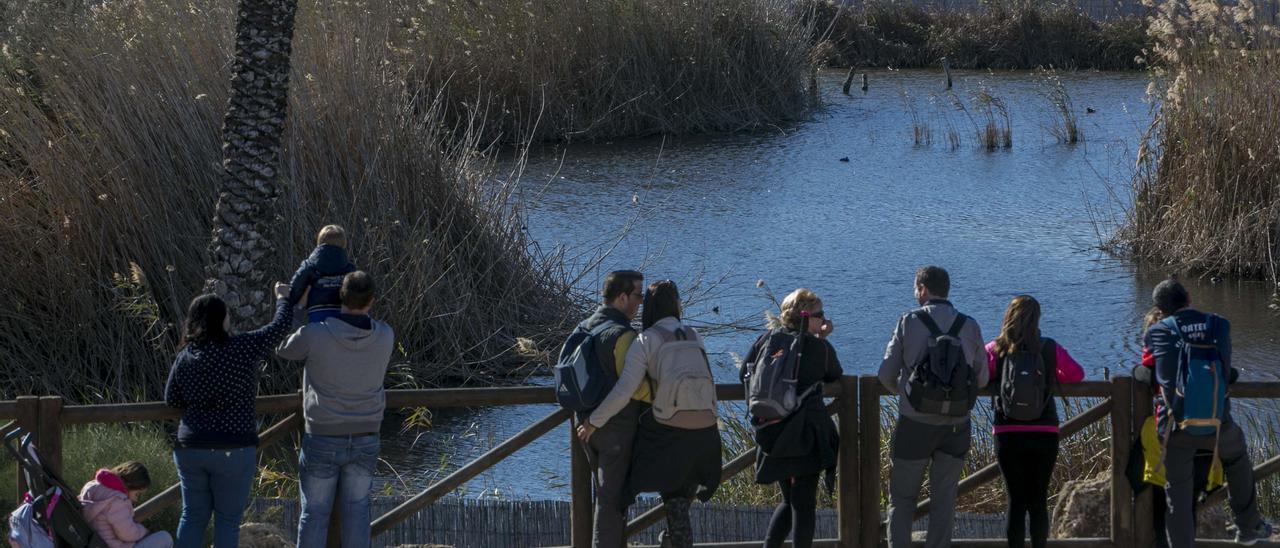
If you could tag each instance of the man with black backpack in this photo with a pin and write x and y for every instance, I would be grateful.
(1192, 354)
(936, 363)
(589, 365)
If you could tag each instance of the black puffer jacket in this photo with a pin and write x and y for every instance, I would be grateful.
(807, 442)
(322, 271)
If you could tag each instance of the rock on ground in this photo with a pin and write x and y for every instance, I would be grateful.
(1084, 508)
(263, 535)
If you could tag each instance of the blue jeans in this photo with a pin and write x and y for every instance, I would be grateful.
(336, 467)
(217, 482)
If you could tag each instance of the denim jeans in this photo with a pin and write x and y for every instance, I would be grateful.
(217, 482)
(341, 468)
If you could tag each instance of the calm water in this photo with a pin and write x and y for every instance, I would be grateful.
(781, 207)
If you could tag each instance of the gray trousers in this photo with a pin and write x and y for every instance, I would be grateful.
(610, 448)
(916, 448)
(1179, 471)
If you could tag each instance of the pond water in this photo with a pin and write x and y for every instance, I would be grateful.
(781, 206)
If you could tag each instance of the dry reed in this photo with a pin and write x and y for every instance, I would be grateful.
(1206, 196)
(1002, 34)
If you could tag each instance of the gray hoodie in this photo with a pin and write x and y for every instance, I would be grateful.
(342, 380)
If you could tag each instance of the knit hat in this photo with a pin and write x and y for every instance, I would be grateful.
(1170, 296)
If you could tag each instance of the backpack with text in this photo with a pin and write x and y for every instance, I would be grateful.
(1201, 383)
(942, 382)
(772, 378)
(1025, 378)
(685, 395)
(581, 381)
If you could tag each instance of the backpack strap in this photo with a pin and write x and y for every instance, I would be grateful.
(927, 320)
(1049, 353)
(956, 325)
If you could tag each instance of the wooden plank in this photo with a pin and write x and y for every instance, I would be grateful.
(8, 409)
(992, 471)
(158, 410)
(847, 509)
(1121, 441)
(1143, 505)
(27, 416)
(1056, 542)
(869, 390)
(49, 437)
(580, 513)
(468, 471)
(1255, 390)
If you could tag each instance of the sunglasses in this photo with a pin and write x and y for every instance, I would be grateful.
(820, 314)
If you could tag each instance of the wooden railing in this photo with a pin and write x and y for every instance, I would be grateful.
(856, 402)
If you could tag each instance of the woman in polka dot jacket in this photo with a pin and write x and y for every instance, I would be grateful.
(214, 381)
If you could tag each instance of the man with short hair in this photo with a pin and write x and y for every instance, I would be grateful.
(343, 402)
(609, 444)
(927, 441)
(1165, 343)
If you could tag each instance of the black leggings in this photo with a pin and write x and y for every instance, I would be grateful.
(799, 507)
(1026, 461)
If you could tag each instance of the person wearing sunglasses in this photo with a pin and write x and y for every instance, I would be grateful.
(794, 451)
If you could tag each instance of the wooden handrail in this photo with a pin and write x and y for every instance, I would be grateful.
(470, 470)
(860, 470)
(992, 471)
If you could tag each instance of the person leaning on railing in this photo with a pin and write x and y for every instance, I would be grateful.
(795, 451)
(1171, 342)
(1027, 448)
(214, 381)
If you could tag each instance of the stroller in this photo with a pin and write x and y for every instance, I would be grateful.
(51, 515)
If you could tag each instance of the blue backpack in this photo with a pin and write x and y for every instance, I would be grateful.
(1201, 384)
(581, 382)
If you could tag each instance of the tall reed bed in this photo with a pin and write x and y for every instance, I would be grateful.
(109, 124)
(1207, 194)
(1000, 34)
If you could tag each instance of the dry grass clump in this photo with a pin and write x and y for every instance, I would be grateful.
(107, 197)
(1065, 127)
(1207, 194)
(610, 68)
(1002, 34)
(109, 154)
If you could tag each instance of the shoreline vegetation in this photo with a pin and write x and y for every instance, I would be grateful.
(999, 35)
(1206, 198)
(110, 118)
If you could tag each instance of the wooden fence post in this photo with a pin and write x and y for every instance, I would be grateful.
(848, 502)
(28, 419)
(1143, 506)
(1121, 440)
(869, 461)
(581, 508)
(49, 436)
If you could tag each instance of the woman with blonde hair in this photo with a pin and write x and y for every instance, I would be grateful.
(793, 451)
(1024, 367)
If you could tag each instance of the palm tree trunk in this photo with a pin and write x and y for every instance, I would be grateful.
(245, 218)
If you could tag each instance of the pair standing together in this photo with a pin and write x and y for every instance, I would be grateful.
(214, 381)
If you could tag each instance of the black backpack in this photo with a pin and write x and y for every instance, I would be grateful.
(772, 378)
(942, 382)
(582, 381)
(1025, 380)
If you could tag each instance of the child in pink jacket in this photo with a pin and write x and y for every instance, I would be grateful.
(108, 507)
